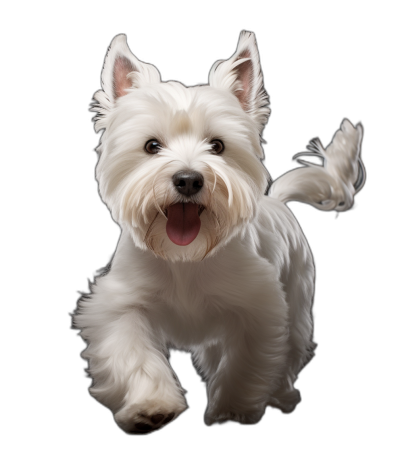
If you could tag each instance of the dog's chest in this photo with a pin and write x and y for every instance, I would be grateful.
(193, 305)
(189, 288)
(234, 280)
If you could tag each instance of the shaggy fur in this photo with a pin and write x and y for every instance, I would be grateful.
(239, 296)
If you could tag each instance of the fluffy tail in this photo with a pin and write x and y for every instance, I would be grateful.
(333, 184)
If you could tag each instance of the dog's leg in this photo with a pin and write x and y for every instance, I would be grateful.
(299, 295)
(252, 362)
(127, 360)
(249, 372)
(206, 359)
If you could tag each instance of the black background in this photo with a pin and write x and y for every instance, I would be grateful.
(320, 66)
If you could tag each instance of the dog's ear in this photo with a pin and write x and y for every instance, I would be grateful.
(242, 76)
(121, 71)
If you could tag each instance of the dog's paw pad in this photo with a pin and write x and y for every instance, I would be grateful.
(169, 418)
(162, 419)
(148, 423)
(150, 415)
(157, 418)
(143, 427)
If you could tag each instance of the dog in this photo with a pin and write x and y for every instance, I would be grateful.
(210, 258)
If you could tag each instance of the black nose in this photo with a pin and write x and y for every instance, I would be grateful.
(188, 182)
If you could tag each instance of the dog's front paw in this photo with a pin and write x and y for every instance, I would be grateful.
(148, 416)
(286, 400)
(218, 415)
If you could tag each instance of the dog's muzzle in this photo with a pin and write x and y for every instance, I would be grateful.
(184, 223)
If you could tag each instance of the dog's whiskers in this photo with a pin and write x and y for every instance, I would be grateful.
(147, 239)
(215, 175)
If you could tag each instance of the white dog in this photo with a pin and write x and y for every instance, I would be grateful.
(206, 261)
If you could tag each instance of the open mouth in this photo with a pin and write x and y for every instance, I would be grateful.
(184, 222)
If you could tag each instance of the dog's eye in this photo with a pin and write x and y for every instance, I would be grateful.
(217, 146)
(152, 146)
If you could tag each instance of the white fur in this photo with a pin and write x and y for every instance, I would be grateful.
(238, 297)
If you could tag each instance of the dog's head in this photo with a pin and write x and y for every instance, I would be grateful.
(181, 167)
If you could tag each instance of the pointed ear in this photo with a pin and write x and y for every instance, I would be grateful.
(122, 70)
(242, 76)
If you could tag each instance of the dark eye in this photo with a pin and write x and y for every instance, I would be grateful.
(217, 146)
(152, 146)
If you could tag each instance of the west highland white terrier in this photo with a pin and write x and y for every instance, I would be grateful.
(210, 259)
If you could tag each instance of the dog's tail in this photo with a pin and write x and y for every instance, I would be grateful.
(332, 184)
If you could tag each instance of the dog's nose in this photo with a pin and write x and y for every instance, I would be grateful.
(188, 182)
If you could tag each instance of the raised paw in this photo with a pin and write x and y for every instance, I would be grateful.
(148, 424)
(146, 418)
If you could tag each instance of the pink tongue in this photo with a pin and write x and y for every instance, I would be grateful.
(183, 223)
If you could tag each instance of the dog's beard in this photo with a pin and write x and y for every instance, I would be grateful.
(226, 202)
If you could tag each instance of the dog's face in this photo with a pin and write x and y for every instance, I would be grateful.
(181, 167)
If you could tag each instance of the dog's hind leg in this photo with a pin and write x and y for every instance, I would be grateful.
(299, 288)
